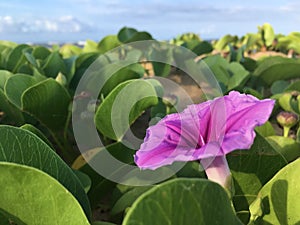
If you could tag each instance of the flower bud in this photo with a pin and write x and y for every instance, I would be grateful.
(287, 119)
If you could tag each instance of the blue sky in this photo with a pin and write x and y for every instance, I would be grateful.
(74, 20)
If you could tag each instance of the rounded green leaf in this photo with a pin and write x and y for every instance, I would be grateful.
(21, 146)
(27, 52)
(183, 201)
(84, 179)
(279, 86)
(276, 68)
(48, 101)
(268, 34)
(133, 71)
(36, 198)
(54, 64)
(218, 66)
(40, 52)
(265, 130)
(4, 75)
(239, 75)
(16, 58)
(107, 43)
(90, 46)
(294, 86)
(100, 185)
(222, 43)
(69, 50)
(251, 169)
(16, 85)
(102, 223)
(280, 197)
(127, 199)
(37, 132)
(127, 35)
(161, 54)
(288, 147)
(126, 103)
(10, 110)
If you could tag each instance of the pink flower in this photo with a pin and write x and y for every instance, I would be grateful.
(204, 132)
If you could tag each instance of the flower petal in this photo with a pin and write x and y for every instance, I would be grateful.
(245, 112)
(174, 138)
(210, 129)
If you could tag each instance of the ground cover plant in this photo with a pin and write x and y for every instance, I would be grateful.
(47, 174)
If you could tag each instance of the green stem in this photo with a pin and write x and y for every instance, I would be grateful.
(286, 131)
(168, 109)
(67, 125)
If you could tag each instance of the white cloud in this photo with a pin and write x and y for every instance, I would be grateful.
(65, 24)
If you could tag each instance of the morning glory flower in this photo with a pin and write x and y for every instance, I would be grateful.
(205, 132)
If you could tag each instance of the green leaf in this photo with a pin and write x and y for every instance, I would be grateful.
(202, 47)
(285, 102)
(41, 52)
(127, 199)
(288, 42)
(4, 75)
(251, 169)
(102, 223)
(54, 64)
(268, 34)
(23, 147)
(294, 86)
(222, 43)
(290, 103)
(16, 58)
(253, 92)
(251, 40)
(48, 101)
(127, 35)
(70, 64)
(239, 75)
(280, 197)
(271, 69)
(5, 50)
(100, 185)
(218, 66)
(279, 86)
(81, 65)
(249, 64)
(288, 147)
(90, 46)
(9, 219)
(265, 130)
(84, 179)
(16, 85)
(11, 110)
(133, 71)
(164, 55)
(43, 202)
(37, 132)
(183, 201)
(29, 56)
(69, 50)
(133, 97)
(108, 43)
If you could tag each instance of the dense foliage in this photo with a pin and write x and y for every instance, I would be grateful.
(45, 180)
